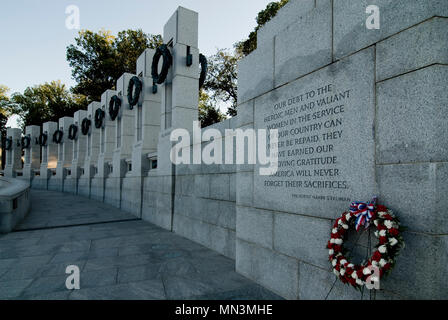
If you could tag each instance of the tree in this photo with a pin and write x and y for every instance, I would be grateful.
(98, 59)
(4, 100)
(208, 114)
(245, 47)
(221, 82)
(45, 102)
(4, 113)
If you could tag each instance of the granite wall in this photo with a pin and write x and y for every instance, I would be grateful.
(373, 103)
(360, 113)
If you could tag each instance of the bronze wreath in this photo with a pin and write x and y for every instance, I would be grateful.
(164, 52)
(133, 98)
(57, 136)
(114, 107)
(43, 139)
(85, 126)
(204, 68)
(99, 118)
(72, 131)
(25, 142)
(8, 144)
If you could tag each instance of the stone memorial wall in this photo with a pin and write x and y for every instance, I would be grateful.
(359, 113)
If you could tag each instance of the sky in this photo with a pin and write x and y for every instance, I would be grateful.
(34, 35)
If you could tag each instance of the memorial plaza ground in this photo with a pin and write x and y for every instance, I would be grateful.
(119, 257)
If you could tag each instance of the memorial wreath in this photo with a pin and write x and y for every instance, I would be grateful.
(390, 241)
(72, 132)
(25, 142)
(99, 118)
(85, 126)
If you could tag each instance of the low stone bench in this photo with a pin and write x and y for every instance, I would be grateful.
(15, 203)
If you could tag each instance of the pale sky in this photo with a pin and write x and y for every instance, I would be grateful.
(34, 37)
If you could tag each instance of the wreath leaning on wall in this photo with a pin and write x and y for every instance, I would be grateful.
(388, 232)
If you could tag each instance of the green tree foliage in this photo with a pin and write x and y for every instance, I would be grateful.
(245, 47)
(4, 112)
(98, 59)
(45, 102)
(221, 83)
(208, 114)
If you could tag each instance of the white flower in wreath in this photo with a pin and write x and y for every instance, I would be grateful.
(388, 224)
(336, 272)
(334, 262)
(393, 241)
(359, 282)
(343, 262)
(389, 212)
(338, 241)
(334, 231)
(332, 240)
(354, 275)
(330, 252)
(382, 233)
(340, 222)
(342, 272)
(382, 214)
(351, 265)
(376, 222)
(383, 263)
(382, 249)
(375, 263)
(366, 271)
(377, 234)
(345, 226)
(347, 217)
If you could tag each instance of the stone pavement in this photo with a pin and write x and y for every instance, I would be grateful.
(118, 259)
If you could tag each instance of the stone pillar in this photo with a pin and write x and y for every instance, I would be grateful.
(49, 157)
(78, 157)
(179, 109)
(147, 124)
(65, 154)
(124, 138)
(180, 92)
(107, 144)
(146, 133)
(92, 145)
(13, 156)
(32, 153)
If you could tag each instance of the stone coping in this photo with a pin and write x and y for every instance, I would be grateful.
(12, 188)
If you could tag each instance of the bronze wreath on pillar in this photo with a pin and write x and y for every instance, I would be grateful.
(8, 144)
(99, 118)
(85, 126)
(57, 137)
(72, 131)
(159, 78)
(114, 107)
(43, 139)
(26, 141)
(133, 98)
(204, 68)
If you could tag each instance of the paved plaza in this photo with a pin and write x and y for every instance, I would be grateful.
(119, 257)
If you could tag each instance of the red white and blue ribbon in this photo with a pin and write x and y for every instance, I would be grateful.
(363, 213)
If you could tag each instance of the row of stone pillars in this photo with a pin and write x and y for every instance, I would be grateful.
(132, 145)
